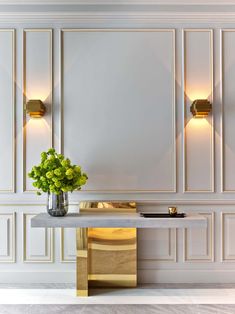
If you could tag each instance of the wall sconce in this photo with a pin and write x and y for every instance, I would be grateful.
(200, 108)
(35, 108)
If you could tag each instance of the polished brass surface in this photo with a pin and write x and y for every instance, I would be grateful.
(111, 258)
(108, 206)
(35, 108)
(200, 108)
(82, 261)
(172, 211)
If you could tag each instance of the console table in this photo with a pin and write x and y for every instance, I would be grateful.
(106, 241)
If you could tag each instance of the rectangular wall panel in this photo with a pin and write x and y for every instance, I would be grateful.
(199, 242)
(37, 84)
(118, 97)
(7, 110)
(7, 238)
(198, 132)
(68, 245)
(228, 234)
(157, 244)
(228, 110)
(37, 242)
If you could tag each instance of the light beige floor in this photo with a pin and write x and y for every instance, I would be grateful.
(146, 299)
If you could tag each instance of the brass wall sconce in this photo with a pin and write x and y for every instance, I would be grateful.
(35, 108)
(200, 108)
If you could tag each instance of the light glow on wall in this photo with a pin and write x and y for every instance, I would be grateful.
(38, 126)
(193, 94)
(198, 125)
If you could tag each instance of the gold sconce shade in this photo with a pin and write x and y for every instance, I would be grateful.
(35, 108)
(200, 108)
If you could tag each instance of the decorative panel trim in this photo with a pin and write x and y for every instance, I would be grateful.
(25, 31)
(13, 166)
(118, 18)
(11, 239)
(224, 257)
(210, 243)
(63, 258)
(141, 201)
(171, 30)
(133, 3)
(172, 257)
(223, 190)
(49, 243)
(185, 189)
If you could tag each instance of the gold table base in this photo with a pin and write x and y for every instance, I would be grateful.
(106, 257)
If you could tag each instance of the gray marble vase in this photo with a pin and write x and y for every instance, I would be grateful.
(57, 205)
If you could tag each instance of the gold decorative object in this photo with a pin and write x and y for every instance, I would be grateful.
(35, 108)
(96, 246)
(172, 211)
(200, 108)
(82, 261)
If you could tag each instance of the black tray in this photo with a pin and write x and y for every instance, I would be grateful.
(162, 215)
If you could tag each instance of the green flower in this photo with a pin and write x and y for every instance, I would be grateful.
(55, 174)
(51, 158)
(51, 151)
(49, 174)
(65, 162)
(46, 164)
(77, 169)
(69, 172)
(58, 184)
(31, 174)
(43, 155)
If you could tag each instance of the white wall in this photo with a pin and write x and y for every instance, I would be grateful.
(117, 98)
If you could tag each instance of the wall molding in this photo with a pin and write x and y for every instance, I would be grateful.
(210, 243)
(212, 157)
(177, 3)
(24, 79)
(115, 19)
(224, 258)
(199, 202)
(173, 104)
(49, 243)
(13, 166)
(172, 249)
(222, 31)
(11, 238)
(63, 258)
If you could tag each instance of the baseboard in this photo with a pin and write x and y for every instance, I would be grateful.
(37, 277)
(144, 276)
(186, 276)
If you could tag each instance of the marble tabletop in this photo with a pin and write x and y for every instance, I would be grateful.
(120, 220)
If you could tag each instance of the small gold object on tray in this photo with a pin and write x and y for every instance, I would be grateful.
(172, 211)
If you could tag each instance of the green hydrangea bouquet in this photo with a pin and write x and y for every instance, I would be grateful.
(56, 174)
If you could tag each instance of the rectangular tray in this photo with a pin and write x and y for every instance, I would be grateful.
(162, 215)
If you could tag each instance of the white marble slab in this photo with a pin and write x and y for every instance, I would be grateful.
(121, 220)
(120, 296)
